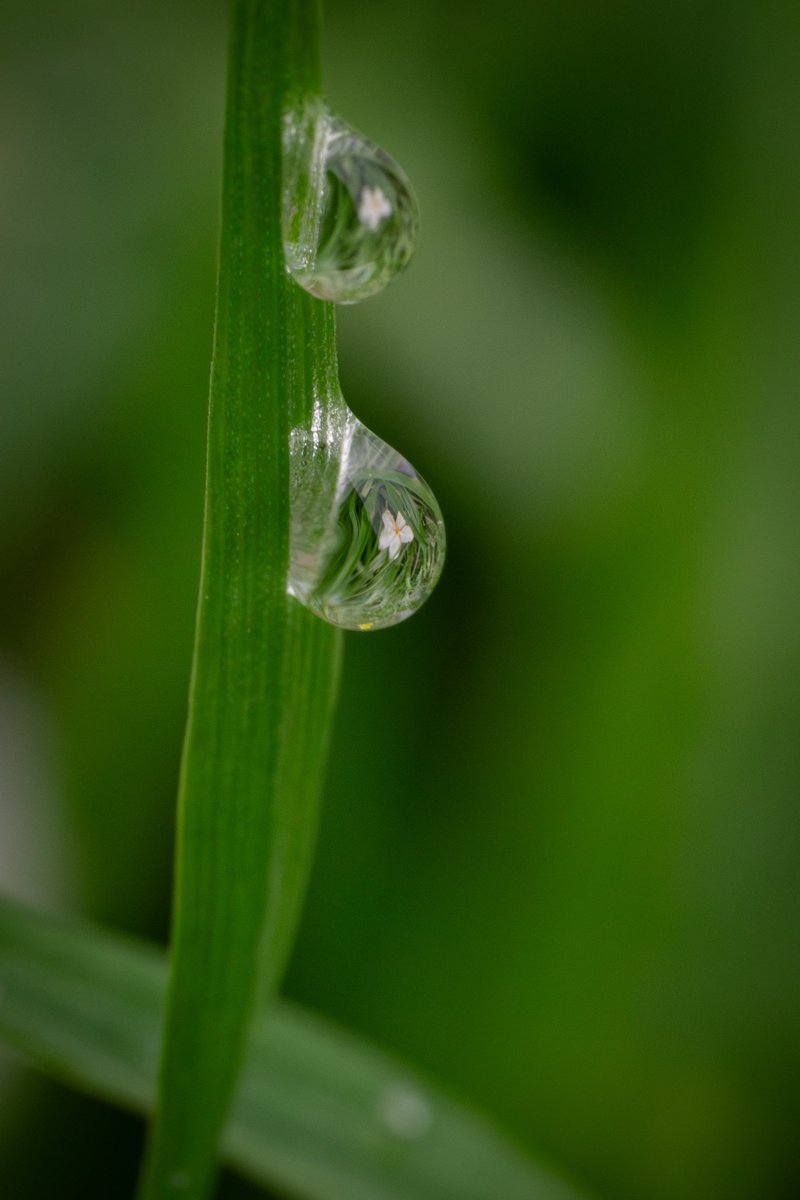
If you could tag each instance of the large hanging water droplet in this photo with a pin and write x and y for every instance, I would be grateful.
(350, 215)
(368, 540)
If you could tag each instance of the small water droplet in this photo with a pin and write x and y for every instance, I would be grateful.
(368, 540)
(350, 215)
(405, 1111)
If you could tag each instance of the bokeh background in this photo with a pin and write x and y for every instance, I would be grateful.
(559, 857)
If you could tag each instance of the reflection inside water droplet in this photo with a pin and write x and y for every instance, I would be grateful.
(350, 215)
(367, 539)
(405, 1111)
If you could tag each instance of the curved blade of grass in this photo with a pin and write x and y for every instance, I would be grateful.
(264, 671)
(319, 1113)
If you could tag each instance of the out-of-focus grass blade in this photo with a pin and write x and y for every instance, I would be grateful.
(319, 1113)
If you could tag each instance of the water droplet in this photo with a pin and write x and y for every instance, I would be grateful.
(405, 1111)
(350, 215)
(368, 540)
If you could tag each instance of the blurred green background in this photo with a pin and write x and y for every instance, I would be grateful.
(559, 857)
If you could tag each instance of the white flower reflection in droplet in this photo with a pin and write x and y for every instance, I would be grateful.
(395, 534)
(373, 208)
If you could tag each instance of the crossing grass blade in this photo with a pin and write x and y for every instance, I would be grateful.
(319, 1113)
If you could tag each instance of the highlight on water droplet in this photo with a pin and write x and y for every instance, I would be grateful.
(405, 1111)
(367, 538)
(350, 214)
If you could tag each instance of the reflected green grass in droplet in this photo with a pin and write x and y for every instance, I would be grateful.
(350, 215)
(339, 568)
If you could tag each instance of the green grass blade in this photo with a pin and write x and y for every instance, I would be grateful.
(264, 672)
(319, 1113)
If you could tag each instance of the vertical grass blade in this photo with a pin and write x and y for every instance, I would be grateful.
(264, 674)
